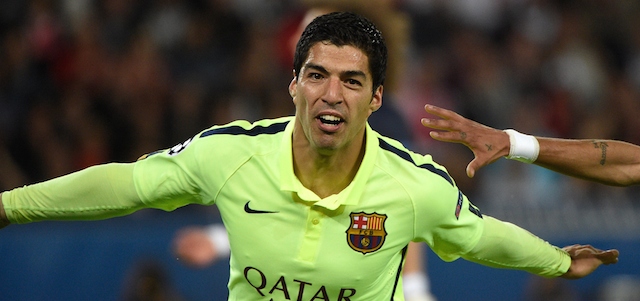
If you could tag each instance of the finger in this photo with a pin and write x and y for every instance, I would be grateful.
(473, 166)
(440, 112)
(447, 136)
(608, 257)
(471, 171)
(568, 249)
(589, 251)
(586, 250)
(439, 124)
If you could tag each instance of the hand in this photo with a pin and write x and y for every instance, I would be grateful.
(585, 259)
(193, 246)
(486, 143)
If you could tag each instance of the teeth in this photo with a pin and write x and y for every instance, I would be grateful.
(330, 118)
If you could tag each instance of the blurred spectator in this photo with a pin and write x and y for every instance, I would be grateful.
(148, 281)
(620, 288)
(545, 289)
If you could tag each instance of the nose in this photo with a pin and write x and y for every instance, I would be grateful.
(333, 93)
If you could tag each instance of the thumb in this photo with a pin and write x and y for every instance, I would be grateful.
(471, 169)
(608, 257)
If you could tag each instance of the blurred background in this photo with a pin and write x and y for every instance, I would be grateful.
(84, 82)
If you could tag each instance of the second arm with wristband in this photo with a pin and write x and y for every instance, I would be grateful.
(523, 148)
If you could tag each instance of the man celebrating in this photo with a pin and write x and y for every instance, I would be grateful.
(318, 206)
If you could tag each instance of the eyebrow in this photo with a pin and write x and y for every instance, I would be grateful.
(348, 73)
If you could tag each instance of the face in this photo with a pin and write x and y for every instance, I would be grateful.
(333, 97)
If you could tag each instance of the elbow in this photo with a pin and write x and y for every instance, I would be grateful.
(624, 179)
(620, 177)
(611, 181)
(627, 182)
(617, 182)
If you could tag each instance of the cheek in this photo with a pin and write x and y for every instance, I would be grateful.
(364, 112)
(369, 106)
(301, 106)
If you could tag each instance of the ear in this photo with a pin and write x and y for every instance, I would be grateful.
(293, 86)
(376, 101)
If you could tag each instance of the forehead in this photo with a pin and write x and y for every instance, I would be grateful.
(337, 58)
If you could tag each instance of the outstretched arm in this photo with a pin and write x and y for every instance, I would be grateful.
(609, 162)
(505, 245)
(97, 192)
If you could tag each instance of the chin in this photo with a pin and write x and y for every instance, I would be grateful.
(326, 145)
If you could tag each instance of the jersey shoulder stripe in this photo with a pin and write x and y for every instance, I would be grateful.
(404, 155)
(253, 131)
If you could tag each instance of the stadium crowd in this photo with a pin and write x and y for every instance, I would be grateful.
(84, 82)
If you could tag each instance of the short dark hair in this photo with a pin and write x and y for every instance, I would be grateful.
(345, 28)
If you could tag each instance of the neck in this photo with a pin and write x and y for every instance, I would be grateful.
(327, 172)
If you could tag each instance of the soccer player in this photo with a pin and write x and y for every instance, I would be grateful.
(608, 162)
(318, 206)
(201, 246)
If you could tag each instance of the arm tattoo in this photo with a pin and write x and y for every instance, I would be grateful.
(463, 135)
(603, 147)
(489, 146)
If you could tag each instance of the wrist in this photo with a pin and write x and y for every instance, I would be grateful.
(523, 148)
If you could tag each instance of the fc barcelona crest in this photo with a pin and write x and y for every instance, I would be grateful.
(366, 233)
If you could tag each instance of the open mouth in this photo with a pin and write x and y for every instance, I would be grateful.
(330, 119)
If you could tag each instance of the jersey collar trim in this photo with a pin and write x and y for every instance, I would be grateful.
(351, 195)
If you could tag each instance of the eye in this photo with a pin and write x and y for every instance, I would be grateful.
(316, 76)
(353, 82)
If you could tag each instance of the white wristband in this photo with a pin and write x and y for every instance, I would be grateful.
(415, 285)
(218, 236)
(524, 148)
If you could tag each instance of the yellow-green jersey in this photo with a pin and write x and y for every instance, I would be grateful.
(289, 244)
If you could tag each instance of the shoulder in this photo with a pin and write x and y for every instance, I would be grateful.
(236, 139)
(243, 135)
(215, 153)
(245, 129)
(402, 162)
(429, 188)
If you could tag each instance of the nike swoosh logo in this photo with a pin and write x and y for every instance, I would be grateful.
(252, 211)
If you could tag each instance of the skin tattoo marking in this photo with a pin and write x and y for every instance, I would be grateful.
(489, 146)
(603, 147)
(463, 135)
